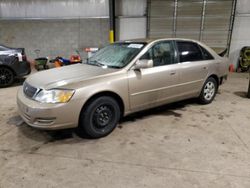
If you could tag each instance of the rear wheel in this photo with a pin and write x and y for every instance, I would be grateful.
(209, 91)
(100, 117)
(6, 77)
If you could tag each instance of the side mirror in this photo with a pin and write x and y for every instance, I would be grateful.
(143, 64)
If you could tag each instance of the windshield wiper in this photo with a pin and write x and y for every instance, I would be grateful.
(113, 66)
(96, 63)
(99, 64)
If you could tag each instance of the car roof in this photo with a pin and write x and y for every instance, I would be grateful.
(149, 40)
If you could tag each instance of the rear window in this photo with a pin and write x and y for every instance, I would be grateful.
(189, 51)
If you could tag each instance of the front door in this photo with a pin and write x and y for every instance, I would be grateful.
(151, 86)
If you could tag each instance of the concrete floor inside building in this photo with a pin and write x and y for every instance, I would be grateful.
(178, 145)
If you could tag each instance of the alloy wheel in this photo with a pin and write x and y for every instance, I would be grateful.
(209, 90)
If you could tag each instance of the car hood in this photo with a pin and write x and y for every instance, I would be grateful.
(60, 77)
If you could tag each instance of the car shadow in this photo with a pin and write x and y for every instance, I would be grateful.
(37, 134)
(74, 136)
(165, 110)
(18, 82)
(241, 94)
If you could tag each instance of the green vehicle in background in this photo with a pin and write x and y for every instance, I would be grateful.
(244, 59)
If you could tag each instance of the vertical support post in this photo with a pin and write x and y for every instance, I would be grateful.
(233, 12)
(175, 17)
(203, 19)
(111, 21)
(248, 93)
(148, 14)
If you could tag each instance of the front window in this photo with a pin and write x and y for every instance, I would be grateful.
(116, 55)
(162, 53)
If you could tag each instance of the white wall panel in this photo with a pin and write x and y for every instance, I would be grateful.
(131, 19)
(243, 7)
(131, 7)
(131, 28)
(241, 30)
(53, 8)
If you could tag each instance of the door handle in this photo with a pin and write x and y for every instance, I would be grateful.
(204, 68)
(172, 73)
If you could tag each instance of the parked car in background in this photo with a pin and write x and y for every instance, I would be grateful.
(120, 79)
(13, 63)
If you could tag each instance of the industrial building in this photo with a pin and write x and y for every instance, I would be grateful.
(157, 96)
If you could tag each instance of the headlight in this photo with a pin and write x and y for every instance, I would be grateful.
(54, 96)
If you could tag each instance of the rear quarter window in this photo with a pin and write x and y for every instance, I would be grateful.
(206, 54)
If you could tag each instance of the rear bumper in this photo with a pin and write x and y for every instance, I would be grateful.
(23, 68)
(223, 79)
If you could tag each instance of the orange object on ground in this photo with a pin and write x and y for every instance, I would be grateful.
(231, 68)
(58, 64)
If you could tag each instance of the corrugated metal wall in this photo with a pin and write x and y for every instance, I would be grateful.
(45, 9)
(55, 27)
(205, 20)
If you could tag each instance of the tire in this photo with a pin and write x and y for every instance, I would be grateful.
(244, 69)
(99, 118)
(209, 91)
(6, 77)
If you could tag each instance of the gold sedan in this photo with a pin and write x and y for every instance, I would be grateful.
(120, 79)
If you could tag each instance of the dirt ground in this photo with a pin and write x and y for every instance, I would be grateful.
(179, 145)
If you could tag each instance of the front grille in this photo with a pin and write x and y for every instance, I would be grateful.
(29, 90)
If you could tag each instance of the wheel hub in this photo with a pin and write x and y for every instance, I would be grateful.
(3, 77)
(6, 76)
(102, 116)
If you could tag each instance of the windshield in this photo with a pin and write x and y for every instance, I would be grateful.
(116, 55)
(3, 48)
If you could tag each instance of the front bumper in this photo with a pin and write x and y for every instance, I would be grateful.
(48, 116)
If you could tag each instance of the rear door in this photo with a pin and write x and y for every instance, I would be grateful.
(151, 86)
(194, 68)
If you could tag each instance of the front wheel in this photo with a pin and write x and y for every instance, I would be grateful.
(6, 77)
(209, 91)
(100, 117)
